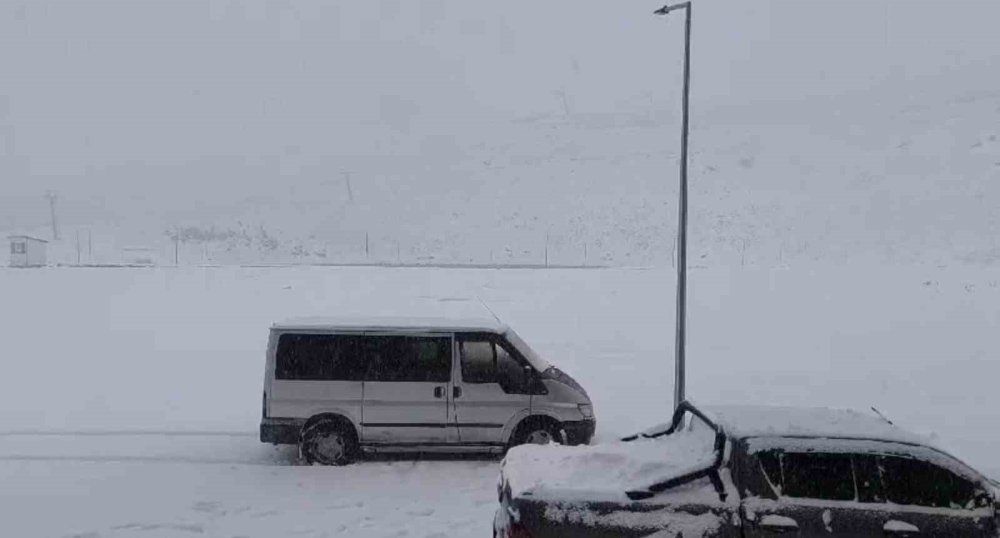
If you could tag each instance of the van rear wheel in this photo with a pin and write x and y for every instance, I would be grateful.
(328, 443)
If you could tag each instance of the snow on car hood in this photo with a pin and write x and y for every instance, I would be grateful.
(605, 472)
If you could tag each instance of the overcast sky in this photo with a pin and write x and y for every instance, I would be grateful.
(158, 98)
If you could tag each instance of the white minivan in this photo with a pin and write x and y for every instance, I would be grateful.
(339, 387)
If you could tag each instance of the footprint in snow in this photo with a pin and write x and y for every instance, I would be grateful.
(423, 512)
(208, 507)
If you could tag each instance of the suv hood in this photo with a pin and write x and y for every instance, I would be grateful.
(605, 472)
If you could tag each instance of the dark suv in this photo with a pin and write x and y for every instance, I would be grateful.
(747, 472)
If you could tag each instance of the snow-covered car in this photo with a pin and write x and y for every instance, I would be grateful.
(338, 387)
(747, 472)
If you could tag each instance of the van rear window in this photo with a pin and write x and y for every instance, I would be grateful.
(320, 357)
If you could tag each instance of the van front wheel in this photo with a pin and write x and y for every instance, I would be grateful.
(541, 431)
(328, 443)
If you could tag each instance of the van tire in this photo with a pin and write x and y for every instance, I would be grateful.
(328, 442)
(537, 431)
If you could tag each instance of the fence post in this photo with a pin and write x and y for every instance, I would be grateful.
(546, 250)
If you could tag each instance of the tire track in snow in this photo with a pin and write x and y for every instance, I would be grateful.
(124, 433)
(153, 446)
(148, 459)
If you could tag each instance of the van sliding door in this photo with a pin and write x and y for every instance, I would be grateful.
(407, 390)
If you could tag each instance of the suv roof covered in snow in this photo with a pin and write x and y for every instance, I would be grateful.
(763, 421)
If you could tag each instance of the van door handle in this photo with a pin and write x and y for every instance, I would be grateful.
(439, 392)
(456, 392)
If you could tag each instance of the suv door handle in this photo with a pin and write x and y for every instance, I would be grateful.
(900, 528)
(439, 392)
(456, 392)
(776, 524)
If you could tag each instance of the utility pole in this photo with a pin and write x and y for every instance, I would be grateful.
(51, 196)
(682, 210)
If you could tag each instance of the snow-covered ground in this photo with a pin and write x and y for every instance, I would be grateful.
(130, 397)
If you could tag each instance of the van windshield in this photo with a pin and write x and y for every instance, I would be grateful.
(537, 362)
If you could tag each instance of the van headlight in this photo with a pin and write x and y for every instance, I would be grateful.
(587, 410)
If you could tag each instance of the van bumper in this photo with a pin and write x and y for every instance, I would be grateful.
(579, 432)
(280, 431)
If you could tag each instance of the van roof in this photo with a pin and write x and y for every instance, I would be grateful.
(393, 323)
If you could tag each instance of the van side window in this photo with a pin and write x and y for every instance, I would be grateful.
(479, 361)
(510, 373)
(486, 359)
(409, 358)
(319, 357)
(915, 482)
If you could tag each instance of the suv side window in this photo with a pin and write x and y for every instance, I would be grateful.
(319, 357)
(809, 475)
(915, 482)
(868, 478)
(408, 358)
(816, 475)
(770, 465)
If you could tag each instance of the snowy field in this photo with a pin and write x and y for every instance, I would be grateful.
(130, 397)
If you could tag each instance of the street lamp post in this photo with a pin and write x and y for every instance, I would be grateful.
(682, 210)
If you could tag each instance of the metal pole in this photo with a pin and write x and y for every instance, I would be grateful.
(679, 383)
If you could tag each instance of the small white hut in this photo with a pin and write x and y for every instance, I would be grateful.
(26, 251)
